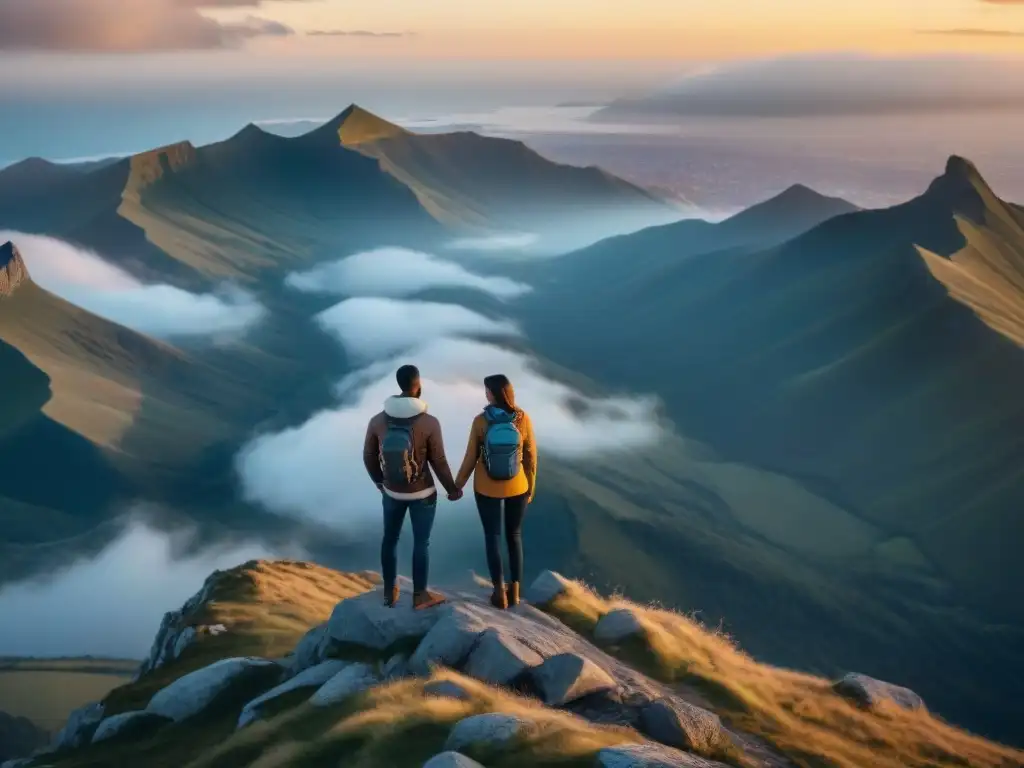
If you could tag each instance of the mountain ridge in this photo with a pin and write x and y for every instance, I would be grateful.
(13, 271)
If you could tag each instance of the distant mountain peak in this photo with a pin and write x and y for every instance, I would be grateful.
(961, 189)
(798, 201)
(13, 271)
(149, 167)
(355, 126)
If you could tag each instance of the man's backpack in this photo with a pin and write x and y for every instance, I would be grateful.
(397, 454)
(502, 445)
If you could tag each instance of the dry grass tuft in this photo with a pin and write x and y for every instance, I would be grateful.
(798, 713)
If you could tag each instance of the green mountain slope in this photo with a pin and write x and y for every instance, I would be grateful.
(836, 361)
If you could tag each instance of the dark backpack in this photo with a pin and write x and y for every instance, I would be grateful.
(502, 441)
(397, 455)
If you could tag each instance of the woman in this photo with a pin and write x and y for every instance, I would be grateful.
(502, 457)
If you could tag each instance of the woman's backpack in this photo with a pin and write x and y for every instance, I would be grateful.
(503, 454)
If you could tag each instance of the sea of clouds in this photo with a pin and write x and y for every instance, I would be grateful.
(112, 604)
(315, 471)
(87, 280)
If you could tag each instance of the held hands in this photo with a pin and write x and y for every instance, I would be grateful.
(455, 495)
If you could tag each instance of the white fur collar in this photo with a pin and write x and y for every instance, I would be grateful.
(404, 407)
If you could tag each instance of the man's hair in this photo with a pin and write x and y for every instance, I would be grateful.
(407, 377)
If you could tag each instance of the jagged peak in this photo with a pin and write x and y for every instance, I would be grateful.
(355, 125)
(13, 271)
(961, 189)
(149, 167)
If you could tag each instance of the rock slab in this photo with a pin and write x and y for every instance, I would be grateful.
(498, 658)
(449, 641)
(189, 695)
(490, 730)
(353, 679)
(314, 677)
(650, 756)
(568, 676)
(80, 727)
(367, 622)
(869, 692)
(128, 724)
(547, 587)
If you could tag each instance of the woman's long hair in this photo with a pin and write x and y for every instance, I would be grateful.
(501, 390)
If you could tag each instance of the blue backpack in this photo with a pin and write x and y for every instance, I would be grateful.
(397, 455)
(502, 442)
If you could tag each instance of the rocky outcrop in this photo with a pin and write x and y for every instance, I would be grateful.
(367, 622)
(498, 658)
(128, 725)
(547, 587)
(13, 271)
(80, 727)
(617, 625)
(451, 760)
(310, 651)
(490, 730)
(176, 633)
(451, 639)
(870, 693)
(314, 677)
(190, 695)
(569, 676)
(682, 725)
(355, 678)
(650, 756)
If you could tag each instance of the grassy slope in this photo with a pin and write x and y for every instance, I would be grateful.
(798, 713)
(838, 360)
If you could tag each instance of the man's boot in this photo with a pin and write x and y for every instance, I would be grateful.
(499, 598)
(391, 596)
(426, 599)
(512, 592)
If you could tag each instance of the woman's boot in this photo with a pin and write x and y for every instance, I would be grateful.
(499, 599)
(512, 593)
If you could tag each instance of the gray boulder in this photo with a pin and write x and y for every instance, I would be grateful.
(446, 689)
(650, 756)
(868, 692)
(310, 649)
(499, 658)
(569, 676)
(615, 626)
(451, 760)
(314, 677)
(547, 587)
(80, 727)
(365, 621)
(128, 724)
(353, 679)
(490, 730)
(450, 640)
(682, 725)
(189, 695)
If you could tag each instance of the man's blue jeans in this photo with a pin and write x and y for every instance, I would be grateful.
(422, 513)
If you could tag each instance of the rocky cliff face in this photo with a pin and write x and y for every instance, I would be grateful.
(13, 271)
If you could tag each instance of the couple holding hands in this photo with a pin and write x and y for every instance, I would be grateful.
(403, 444)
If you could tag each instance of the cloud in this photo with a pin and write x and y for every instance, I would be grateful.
(837, 84)
(357, 33)
(371, 328)
(315, 471)
(511, 241)
(973, 32)
(85, 279)
(398, 272)
(123, 25)
(112, 605)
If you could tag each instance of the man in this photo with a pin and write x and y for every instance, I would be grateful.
(403, 443)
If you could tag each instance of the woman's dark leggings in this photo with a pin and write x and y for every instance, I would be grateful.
(490, 517)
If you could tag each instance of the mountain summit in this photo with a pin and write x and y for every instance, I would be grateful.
(355, 126)
(13, 271)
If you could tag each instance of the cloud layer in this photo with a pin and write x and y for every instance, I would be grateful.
(315, 471)
(800, 86)
(512, 241)
(124, 25)
(398, 272)
(371, 328)
(85, 279)
(114, 602)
